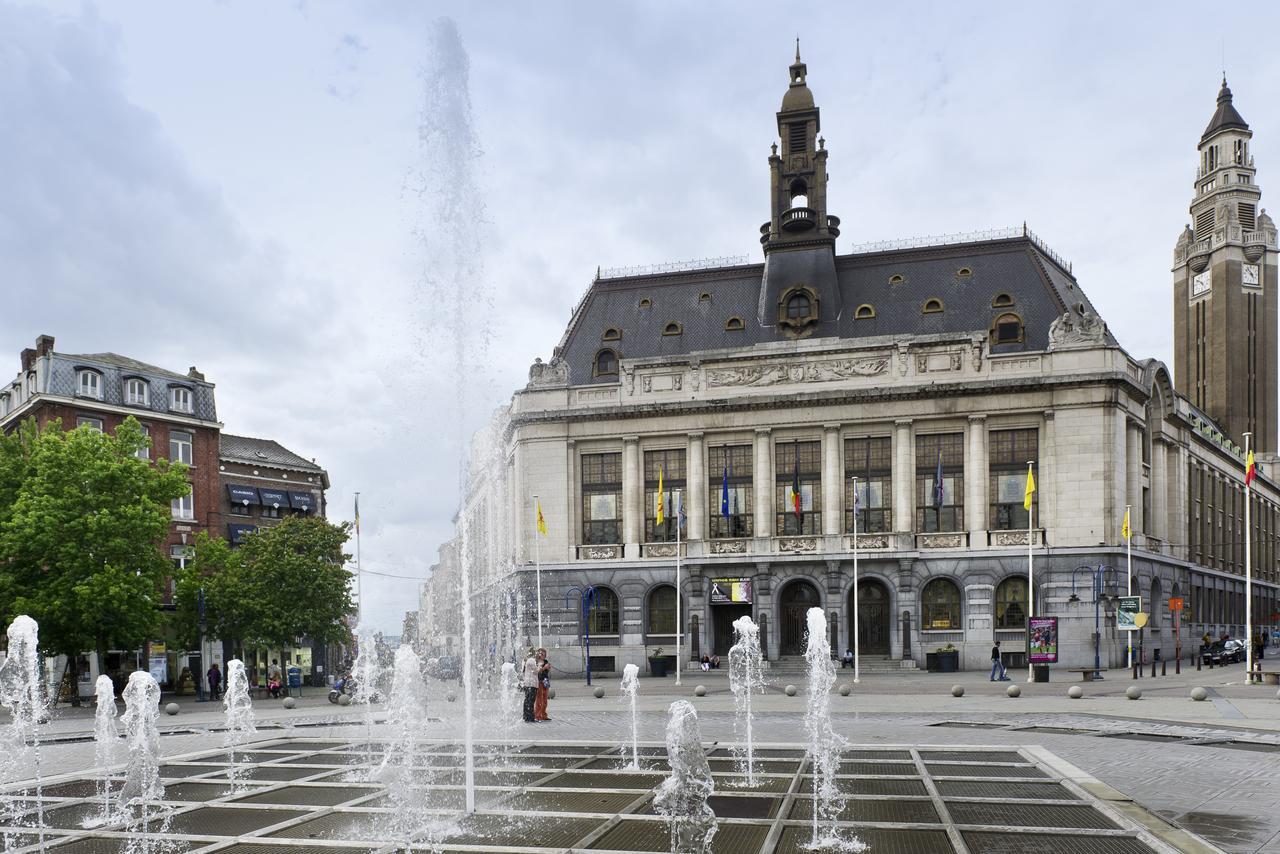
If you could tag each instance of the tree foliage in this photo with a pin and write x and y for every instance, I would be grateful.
(283, 583)
(82, 519)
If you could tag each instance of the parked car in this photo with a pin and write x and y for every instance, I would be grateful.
(1225, 652)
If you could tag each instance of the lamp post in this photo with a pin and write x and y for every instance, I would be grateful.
(586, 598)
(1098, 573)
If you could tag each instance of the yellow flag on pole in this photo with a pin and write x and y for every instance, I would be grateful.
(1031, 489)
(1125, 531)
(542, 523)
(660, 514)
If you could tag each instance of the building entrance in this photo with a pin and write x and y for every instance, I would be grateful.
(873, 618)
(722, 617)
(793, 606)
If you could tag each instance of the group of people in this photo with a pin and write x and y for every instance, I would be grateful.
(536, 681)
(275, 680)
(710, 662)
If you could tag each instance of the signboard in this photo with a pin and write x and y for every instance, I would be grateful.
(1126, 612)
(1042, 640)
(158, 662)
(731, 591)
(1175, 603)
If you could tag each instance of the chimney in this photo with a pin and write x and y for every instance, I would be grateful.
(44, 345)
(194, 374)
(28, 359)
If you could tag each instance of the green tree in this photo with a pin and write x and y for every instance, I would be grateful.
(82, 519)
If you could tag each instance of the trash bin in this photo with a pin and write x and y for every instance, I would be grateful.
(1041, 672)
(294, 675)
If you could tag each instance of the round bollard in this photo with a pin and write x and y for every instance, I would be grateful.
(290, 703)
(1013, 691)
(700, 691)
(344, 699)
(451, 696)
(1075, 692)
(1133, 692)
(1199, 694)
(957, 690)
(598, 692)
(844, 690)
(171, 709)
(790, 690)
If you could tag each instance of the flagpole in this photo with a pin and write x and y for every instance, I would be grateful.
(537, 564)
(678, 614)
(857, 646)
(1128, 546)
(359, 579)
(1248, 573)
(1031, 576)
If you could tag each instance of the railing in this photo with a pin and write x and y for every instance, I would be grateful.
(797, 217)
(674, 267)
(963, 237)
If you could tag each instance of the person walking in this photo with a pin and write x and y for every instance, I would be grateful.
(529, 681)
(998, 673)
(544, 687)
(215, 681)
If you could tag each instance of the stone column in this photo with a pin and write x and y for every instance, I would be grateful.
(904, 477)
(762, 484)
(832, 480)
(573, 512)
(696, 486)
(1046, 477)
(632, 495)
(1160, 487)
(1133, 475)
(975, 482)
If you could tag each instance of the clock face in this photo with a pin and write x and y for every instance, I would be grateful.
(1200, 283)
(1249, 273)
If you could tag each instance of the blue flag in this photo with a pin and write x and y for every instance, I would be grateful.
(939, 494)
(724, 494)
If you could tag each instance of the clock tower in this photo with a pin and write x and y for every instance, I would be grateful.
(1225, 289)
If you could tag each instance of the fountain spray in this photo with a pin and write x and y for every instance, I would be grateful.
(240, 720)
(22, 693)
(509, 705)
(367, 672)
(746, 678)
(682, 797)
(824, 744)
(401, 769)
(142, 790)
(106, 742)
(630, 684)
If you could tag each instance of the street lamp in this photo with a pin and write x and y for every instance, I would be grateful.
(1099, 597)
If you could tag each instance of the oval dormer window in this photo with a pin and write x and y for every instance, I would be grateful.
(1002, 301)
(672, 328)
(932, 306)
(611, 334)
(864, 312)
(734, 324)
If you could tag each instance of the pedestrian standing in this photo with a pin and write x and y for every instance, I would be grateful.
(215, 681)
(544, 687)
(998, 673)
(529, 681)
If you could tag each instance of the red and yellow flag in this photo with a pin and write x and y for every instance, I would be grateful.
(542, 523)
(1250, 469)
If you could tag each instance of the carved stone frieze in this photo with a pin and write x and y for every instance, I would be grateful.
(940, 541)
(659, 549)
(825, 371)
(1012, 538)
(728, 547)
(927, 363)
(798, 545)
(600, 552)
(871, 541)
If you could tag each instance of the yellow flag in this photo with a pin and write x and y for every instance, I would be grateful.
(1125, 532)
(542, 523)
(1031, 489)
(661, 507)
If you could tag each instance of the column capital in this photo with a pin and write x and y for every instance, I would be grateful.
(697, 434)
(977, 419)
(571, 442)
(764, 431)
(830, 428)
(1049, 414)
(902, 422)
(630, 440)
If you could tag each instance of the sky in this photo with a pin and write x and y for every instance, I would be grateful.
(251, 188)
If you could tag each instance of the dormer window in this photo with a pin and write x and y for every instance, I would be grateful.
(864, 312)
(897, 279)
(606, 364)
(798, 307)
(611, 334)
(672, 328)
(932, 305)
(704, 297)
(734, 324)
(31, 383)
(645, 302)
(89, 383)
(1002, 301)
(1008, 329)
(180, 399)
(137, 392)
(964, 273)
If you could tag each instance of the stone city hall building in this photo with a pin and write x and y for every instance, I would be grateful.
(897, 364)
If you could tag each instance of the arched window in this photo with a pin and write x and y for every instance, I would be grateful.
(180, 399)
(89, 384)
(606, 363)
(964, 272)
(734, 324)
(940, 605)
(672, 328)
(897, 279)
(799, 306)
(1007, 330)
(799, 194)
(646, 303)
(660, 620)
(136, 392)
(933, 305)
(1156, 603)
(603, 616)
(1011, 603)
(1002, 301)
(611, 334)
(864, 312)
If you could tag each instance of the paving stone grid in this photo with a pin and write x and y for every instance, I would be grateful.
(306, 794)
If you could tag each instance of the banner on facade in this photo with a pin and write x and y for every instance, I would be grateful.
(730, 591)
(1126, 613)
(1042, 640)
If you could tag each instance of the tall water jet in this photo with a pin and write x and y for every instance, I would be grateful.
(682, 797)
(22, 693)
(631, 684)
(509, 705)
(401, 769)
(239, 720)
(824, 744)
(106, 743)
(142, 790)
(367, 672)
(746, 678)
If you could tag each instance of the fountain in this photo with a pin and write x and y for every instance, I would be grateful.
(367, 671)
(746, 678)
(106, 744)
(142, 790)
(682, 797)
(401, 769)
(509, 702)
(630, 683)
(824, 744)
(22, 693)
(240, 722)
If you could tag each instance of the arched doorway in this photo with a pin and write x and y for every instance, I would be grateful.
(873, 617)
(793, 607)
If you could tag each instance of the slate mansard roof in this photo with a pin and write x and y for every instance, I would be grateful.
(702, 301)
(115, 368)
(245, 449)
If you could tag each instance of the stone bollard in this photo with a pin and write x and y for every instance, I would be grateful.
(289, 703)
(1013, 691)
(1199, 694)
(344, 699)
(171, 709)
(1153, 667)
(598, 692)
(1164, 668)
(1133, 692)
(700, 691)
(844, 690)
(957, 690)
(1075, 692)
(790, 690)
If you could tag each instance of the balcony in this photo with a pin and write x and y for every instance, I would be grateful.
(798, 219)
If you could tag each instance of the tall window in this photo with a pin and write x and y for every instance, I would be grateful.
(136, 392)
(606, 364)
(667, 466)
(144, 453)
(800, 461)
(603, 616)
(940, 605)
(870, 460)
(661, 619)
(731, 514)
(1010, 452)
(94, 424)
(180, 399)
(947, 515)
(179, 447)
(1011, 603)
(89, 384)
(601, 498)
(184, 507)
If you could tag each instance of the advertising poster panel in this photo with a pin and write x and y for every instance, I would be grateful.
(1042, 640)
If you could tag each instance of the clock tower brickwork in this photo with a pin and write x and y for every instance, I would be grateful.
(1225, 288)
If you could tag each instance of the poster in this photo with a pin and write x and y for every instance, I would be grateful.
(158, 662)
(1042, 640)
(730, 591)
(1129, 606)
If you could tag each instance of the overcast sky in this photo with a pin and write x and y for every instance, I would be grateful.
(231, 184)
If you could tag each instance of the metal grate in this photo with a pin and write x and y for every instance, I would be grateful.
(971, 756)
(581, 780)
(901, 812)
(879, 769)
(1029, 815)
(229, 821)
(958, 770)
(609, 803)
(795, 840)
(876, 755)
(1026, 790)
(981, 842)
(634, 835)
(1144, 736)
(307, 796)
(292, 848)
(969, 724)
(498, 830)
(332, 826)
